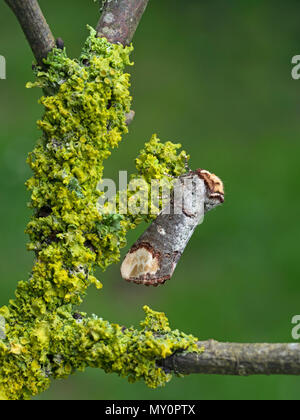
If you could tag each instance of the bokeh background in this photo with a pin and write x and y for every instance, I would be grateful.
(216, 77)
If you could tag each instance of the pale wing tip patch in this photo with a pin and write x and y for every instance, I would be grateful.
(139, 265)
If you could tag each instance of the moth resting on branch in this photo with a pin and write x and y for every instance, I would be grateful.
(45, 337)
(154, 257)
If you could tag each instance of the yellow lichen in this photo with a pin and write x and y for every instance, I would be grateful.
(85, 104)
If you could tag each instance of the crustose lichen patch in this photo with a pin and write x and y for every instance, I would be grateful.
(85, 105)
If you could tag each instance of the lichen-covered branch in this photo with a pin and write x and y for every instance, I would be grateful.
(84, 119)
(237, 359)
(120, 19)
(87, 109)
(129, 352)
(130, 117)
(35, 27)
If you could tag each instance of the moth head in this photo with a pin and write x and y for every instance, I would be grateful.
(214, 189)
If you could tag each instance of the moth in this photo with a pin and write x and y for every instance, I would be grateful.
(153, 258)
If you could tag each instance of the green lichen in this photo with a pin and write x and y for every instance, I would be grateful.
(158, 159)
(85, 104)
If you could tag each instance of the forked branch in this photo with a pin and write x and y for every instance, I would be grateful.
(120, 19)
(118, 23)
(237, 359)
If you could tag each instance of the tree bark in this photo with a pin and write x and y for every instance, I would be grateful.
(119, 20)
(118, 23)
(35, 27)
(237, 359)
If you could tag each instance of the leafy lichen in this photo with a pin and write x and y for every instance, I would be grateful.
(85, 104)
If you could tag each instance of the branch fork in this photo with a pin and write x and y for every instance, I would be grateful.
(118, 24)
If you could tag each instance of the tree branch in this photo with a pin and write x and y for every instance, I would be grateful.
(237, 359)
(35, 27)
(119, 20)
(118, 24)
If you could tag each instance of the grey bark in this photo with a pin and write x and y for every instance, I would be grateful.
(119, 19)
(118, 23)
(237, 359)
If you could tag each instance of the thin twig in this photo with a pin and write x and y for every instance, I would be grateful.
(237, 359)
(35, 27)
(119, 19)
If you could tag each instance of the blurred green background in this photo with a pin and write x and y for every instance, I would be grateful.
(215, 76)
